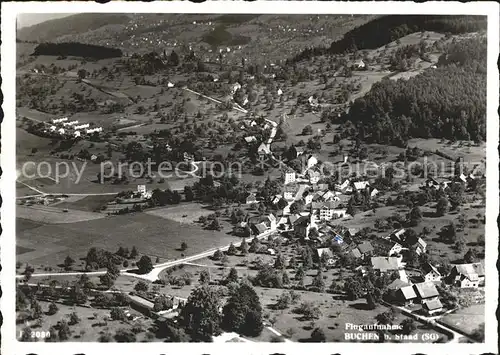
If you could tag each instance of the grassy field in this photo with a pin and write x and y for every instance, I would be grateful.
(154, 236)
(86, 203)
(466, 319)
(93, 323)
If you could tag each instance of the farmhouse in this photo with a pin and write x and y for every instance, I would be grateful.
(289, 191)
(324, 210)
(384, 264)
(426, 291)
(264, 149)
(250, 139)
(361, 185)
(406, 295)
(430, 273)
(432, 307)
(359, 64)
(467, 275)
(311, 161)
(386, 247)
(290, 176)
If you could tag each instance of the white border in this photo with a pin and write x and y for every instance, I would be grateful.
(7, 181)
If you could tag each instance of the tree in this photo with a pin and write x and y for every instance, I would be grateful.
(145, 264)
(141, 286)
(163, 303)
(133, 253)
(68, 262)
(125, 336)
(309, 310)
(471, 256)
(204, 277)
(107, 280)
(184, 246)
(408, 326)
(243, 312)
(244, 247)
(64, 332)
(307, 130)
(353, 288)
(280, 262)
(173, 59)
(318, 336)
(318, 282)
(36, 310)
(73, 318)
(217, 255)
(284, 301)
(414, 217)
(117, 313)
(82, 74)
(188, 193)
(442, 206)
(386, 317)
(231, 250)
(53, 309)
(232, 277)
(200, 315)
(296, 207)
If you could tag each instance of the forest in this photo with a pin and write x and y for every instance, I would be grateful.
(76, 49)
(446, 102)
(386, 29)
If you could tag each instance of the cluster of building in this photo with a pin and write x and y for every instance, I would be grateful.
(317, 222)
(64, 127)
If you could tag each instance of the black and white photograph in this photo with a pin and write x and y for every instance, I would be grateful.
(301, 173)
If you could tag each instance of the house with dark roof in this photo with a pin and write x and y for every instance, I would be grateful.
(386, 247)
(366, 248)
(430, 273)
(406, 295)
(259, 228)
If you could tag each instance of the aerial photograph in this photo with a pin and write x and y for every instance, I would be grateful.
(250, 178)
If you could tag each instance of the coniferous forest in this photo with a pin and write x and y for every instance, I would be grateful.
(447, 102)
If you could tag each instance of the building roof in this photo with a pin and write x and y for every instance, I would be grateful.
(469, 269)
(365, 247)
(426, 290)
(323, 205)
(361, 185)
(264, 148)
(432, 305)
(385, 263)
(398, 284)
(383, 246)
(428, 267)
(326, 251)
(261, 227)
(408, 292)
(356, 253)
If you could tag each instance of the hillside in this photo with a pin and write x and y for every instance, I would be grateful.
(50, 30)
(447, 102)
(383, 30)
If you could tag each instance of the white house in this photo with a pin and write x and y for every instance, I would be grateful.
(264, 149)
(361, 185)
(359, 64)
(430, 273)
(324, 210)
(311, 161)
(61, 130)
(251, 199)
(250, 139)
(235, 88)
(344, 185)
(290, 176)
(77, 133)
(374, 193)
(271, 220)
(170, 85)
(52, 128)
(340, 213)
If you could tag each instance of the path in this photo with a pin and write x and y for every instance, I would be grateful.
(235, 107)
(158, 268)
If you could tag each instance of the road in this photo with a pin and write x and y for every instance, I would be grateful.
(235, 107)
(158, 268)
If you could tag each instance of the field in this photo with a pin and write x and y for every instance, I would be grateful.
(93, 323)
(466, 319)
(154, 236)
